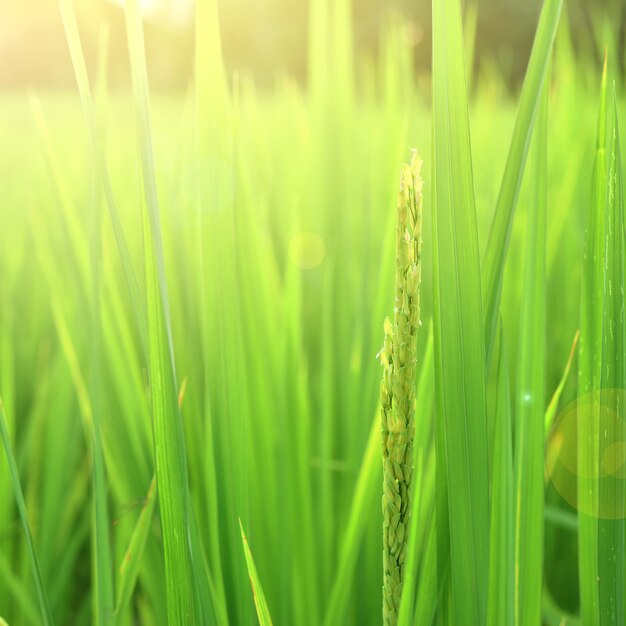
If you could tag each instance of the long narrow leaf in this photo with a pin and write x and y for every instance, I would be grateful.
(169, 443)
(262, 610)
(500, 604)
(589, 372)
(212, 135)
(530, 395)
(105, 599)
(80, 69)
(90, 413)
(44, 606)
(553, 405)
(364, 495)
(459, 338)
(129, 569)
(429, 590)
(497, 246)
(612, 502)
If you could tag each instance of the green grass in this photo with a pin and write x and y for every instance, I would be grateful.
(460, 378)
(590, 368)
(530, 396)
(235, 246)
(260, 602)
(612, 511)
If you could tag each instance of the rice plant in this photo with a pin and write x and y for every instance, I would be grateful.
(193, 284)
(397, 392)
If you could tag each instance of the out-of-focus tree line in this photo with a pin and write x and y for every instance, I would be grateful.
(267, 38)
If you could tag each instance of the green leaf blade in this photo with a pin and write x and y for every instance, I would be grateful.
(169, 443)
(500, 601)
(129, 569)
(459, 338)
(500, 233)
(42, 596)
(612, 507)
(530, 395)
(589, 371)
(262, 610)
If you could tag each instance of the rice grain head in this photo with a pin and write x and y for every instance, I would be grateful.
(397, 392)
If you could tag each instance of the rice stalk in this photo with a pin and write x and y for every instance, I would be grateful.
(397, 391)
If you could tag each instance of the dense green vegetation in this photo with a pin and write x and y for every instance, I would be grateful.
(193, 295)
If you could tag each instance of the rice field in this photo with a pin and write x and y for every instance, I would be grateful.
(194, 289)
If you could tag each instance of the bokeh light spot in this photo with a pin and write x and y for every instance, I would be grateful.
(613, 458)
(307, 250)
(603, 470)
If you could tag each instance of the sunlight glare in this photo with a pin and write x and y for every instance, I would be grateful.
(178, 12)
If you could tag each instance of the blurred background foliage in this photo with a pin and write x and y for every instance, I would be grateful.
(268, 38)
(302, 343)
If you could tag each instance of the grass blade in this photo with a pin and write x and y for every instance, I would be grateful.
(459, 330)
(205, 592)
(169, 443)
(260, 603)
(530, 395)
(500, 599)
(611, 525)
(14, 585)
(495, 254)
(364, 496)
(129, 569)
(80, 69)
(88, 400)
(429, 589)
(46, 615)
(105, 599)
(553, 405)
(589, 371)
(212, 145)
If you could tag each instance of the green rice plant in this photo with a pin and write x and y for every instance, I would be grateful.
(363, 498)
(611, 496)
(555, 400)
(411, 567)
(457, 157)
(211, 101)
(169, 444)
(500, 232)
(129, 568)
(590, 370)
(399, 360)
(530, 394)
(462, 448)
(88, 399)
(80, 69)
(262, 609)
(276, 346)
(501, 590)
(44, 607)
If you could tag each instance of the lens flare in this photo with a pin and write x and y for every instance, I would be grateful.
(606, 476)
